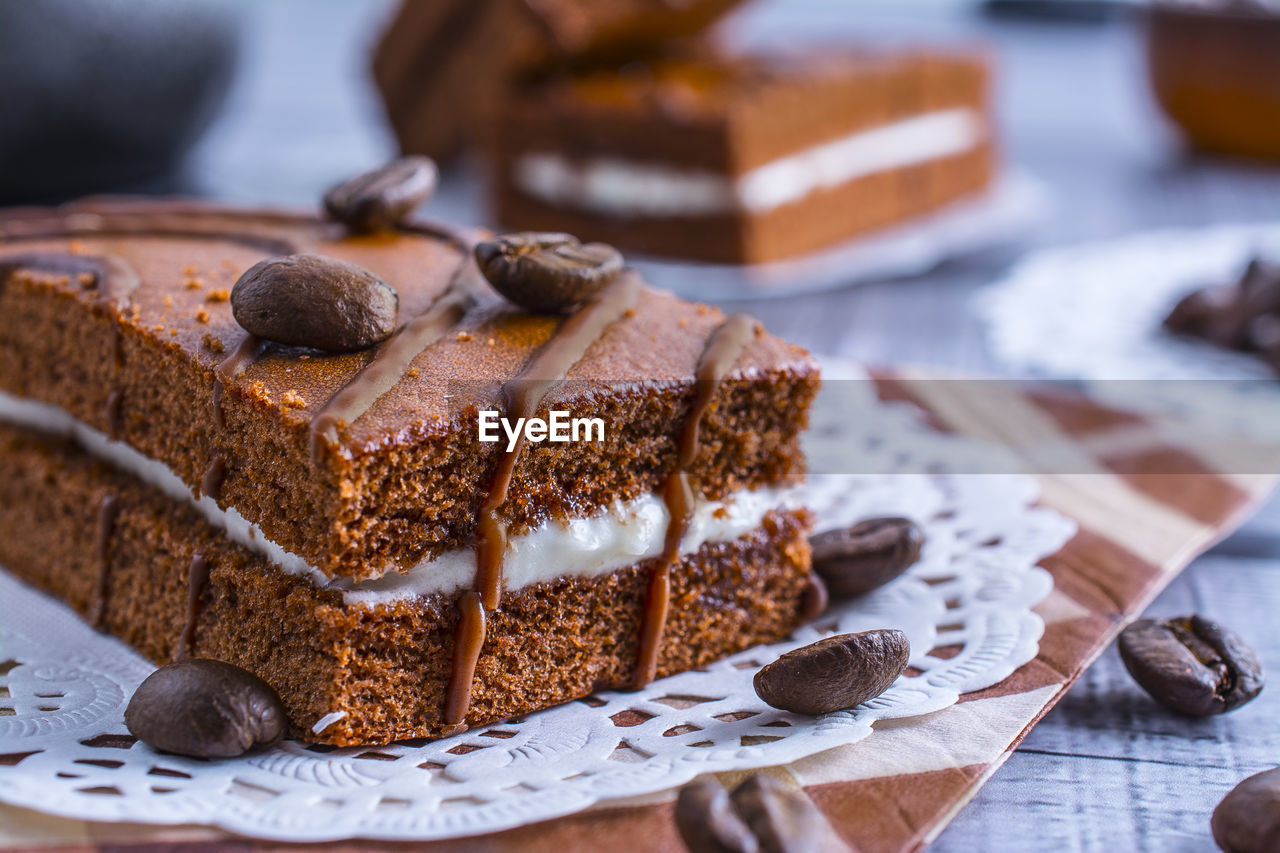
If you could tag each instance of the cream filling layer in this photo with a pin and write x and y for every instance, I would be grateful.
(622, 534)
(624, 188)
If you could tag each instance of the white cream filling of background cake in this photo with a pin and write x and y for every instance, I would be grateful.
(627, 188)
(623, 534)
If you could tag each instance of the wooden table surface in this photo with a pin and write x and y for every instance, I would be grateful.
(1106, 769)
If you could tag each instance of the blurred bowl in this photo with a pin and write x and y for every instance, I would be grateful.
(1216, 74)
(107, 95)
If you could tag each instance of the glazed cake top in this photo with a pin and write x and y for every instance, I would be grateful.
(188, 256)
(690, 86)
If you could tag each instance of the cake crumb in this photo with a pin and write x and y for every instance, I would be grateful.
(193, 284)
(413, 373)
(189, 270)
(88, 280)
(293, 400)
(684, 322)
(202, 314)
(211, 343)
(491, 342)
(629, 313)
(173, 332)
(75, 247)
(464, 336)
(158, 327)
(259, 391)
(219, 295)
(168, 300)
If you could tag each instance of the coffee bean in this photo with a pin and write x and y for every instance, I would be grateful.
(782, 821)
(1191, 665)
(707, 822)
(855, 560)
(1264, 334)
(834, 673)
(1192, 313)
(381, 199)
(1248, 818)
(1260, 286)
(1235, 316)
(547, 273)
(315, 301)
(760, 816)
(205, 709)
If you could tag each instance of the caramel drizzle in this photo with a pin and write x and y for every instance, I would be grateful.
(214, 475)
(721, 350)
(468, 640)
(197, 580)
(388, 367)
(227, 370)
(522, 395)
(108, 510)
(115, 401)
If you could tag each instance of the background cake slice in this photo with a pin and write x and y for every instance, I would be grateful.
(743, 159)
(444, 66)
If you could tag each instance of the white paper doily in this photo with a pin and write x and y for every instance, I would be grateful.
(969, 599)
(1094, 312)
(1014, 206)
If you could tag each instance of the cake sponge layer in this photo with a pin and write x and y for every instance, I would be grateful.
(370, 674)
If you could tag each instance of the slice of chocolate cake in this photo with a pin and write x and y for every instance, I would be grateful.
(337, 522)
(743, 159)
(443, 66)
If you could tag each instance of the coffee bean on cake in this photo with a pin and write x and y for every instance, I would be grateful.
(310, 300)
(546, 272)
(382, 198)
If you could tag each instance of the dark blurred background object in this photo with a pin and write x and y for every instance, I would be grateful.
(100, 95)
(1058, 10)
(1215, 69)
